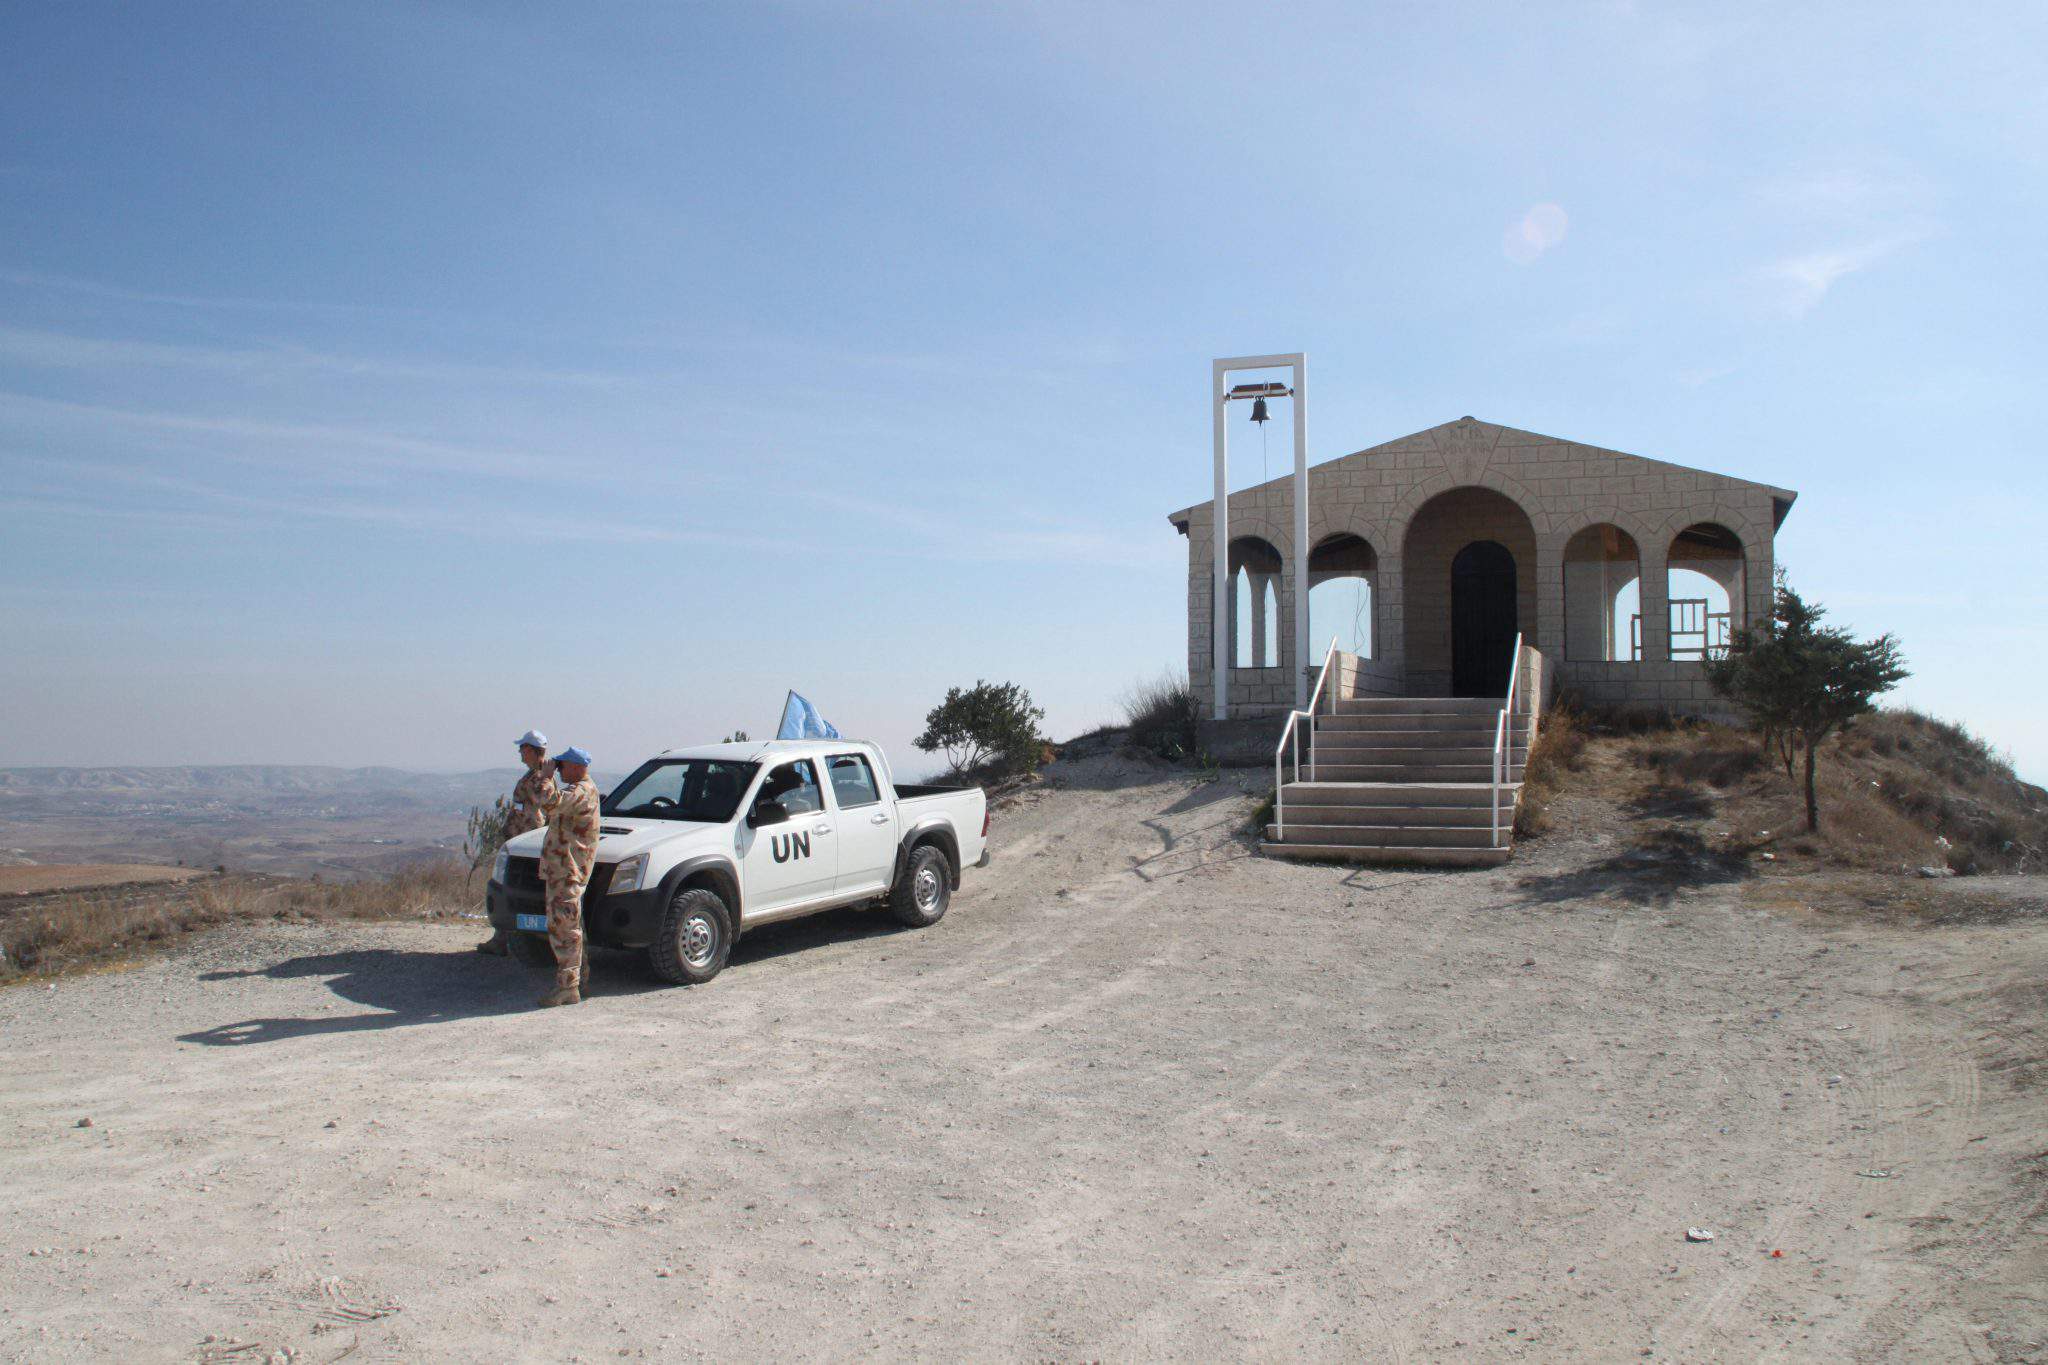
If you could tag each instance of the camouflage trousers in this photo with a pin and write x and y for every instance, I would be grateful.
(565, 931)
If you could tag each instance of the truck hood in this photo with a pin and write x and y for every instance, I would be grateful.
(619, 838)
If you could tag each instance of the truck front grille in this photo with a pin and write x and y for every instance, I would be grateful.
(522, 879)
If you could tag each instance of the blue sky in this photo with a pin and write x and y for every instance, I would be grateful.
(377, 381)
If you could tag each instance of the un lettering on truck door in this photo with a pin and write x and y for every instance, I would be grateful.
(796, 859)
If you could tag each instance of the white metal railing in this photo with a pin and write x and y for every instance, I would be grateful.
(1504, 738)
(1292, 732)
(1690, 620)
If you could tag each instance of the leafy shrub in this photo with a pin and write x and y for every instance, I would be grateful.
(990, 727)
(487, 826)
(1799, 681)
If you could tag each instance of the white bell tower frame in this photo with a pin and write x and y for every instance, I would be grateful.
(1220, 397)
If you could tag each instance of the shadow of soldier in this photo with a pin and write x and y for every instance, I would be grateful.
(404, 989)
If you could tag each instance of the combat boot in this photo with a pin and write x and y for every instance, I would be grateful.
(562, 995)
(495, 945)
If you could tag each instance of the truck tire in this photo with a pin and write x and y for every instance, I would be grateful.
(695, 938)
(920, 897)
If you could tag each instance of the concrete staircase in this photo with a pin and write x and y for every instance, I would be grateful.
(1401, 780)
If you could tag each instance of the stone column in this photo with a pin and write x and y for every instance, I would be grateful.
(1546, 632)
(1655, 604)
(1257, 582)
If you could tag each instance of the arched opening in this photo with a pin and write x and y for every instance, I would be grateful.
(1254, 569)
(1468, 589)
(1704, 583)
(1602, 591)
(1484, 619)
(1340, 595)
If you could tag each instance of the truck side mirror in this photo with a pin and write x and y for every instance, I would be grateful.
(768, 813)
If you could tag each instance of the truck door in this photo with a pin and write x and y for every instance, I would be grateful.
(867, 825)
(797, 860)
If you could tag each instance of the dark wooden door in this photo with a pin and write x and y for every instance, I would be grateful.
(1483, 619)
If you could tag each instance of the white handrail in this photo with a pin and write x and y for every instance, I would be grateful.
(1291, 732)
(1504, 737)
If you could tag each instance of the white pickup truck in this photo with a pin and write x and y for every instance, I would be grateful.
(700, 845)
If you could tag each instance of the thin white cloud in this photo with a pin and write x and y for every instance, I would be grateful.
(1701, 375)
(1534, 233)
(1798, 283)
(60, 350)
(175, 500)
(968, 537)
(29, 279)
(275, 442)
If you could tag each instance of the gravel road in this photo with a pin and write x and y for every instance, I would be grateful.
(1141, 1094)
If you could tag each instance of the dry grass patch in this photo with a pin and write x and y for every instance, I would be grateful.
(1559, 752)
(1161, 715)
(52, 934)
(1898, 792)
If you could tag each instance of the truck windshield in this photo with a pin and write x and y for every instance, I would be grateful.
(704, 790)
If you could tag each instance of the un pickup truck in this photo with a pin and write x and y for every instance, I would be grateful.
(700, 845)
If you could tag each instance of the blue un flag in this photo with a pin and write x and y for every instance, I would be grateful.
(800, 720)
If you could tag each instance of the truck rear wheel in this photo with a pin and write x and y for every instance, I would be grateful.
(920, 897)
(695, 939)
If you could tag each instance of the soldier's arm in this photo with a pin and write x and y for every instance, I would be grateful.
(547, 793)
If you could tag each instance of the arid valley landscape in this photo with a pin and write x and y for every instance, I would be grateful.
(297, 821)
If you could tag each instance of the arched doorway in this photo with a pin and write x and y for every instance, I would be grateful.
(1484, 619)
(1468, 584)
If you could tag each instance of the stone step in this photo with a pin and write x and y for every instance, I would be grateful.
(1418, 706)
(1329, 751)
(1478, 774)
(1384, 836)
(1482, 727)
(1476, 816)
(1390, 856)
(1443, 795)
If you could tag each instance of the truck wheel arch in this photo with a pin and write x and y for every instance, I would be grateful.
(938, 832)
(712, 873)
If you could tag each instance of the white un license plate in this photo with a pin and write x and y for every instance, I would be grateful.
(533, 924)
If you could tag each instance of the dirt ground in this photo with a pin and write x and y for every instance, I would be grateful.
(1141, 1094)
(40, 878)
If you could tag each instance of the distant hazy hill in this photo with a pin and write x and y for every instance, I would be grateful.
(258, 783)
(252, 779)
(250, 817)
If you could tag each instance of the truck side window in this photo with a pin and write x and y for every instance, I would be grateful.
(795, 785)
(853, 781)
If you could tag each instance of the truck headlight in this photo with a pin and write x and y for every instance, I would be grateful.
(626, 876)
(501, 867)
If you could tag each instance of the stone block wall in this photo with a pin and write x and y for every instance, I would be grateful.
(1411, 498)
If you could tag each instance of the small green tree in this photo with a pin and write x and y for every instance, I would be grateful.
(1799, 681)
(486, 832)
(987, 723)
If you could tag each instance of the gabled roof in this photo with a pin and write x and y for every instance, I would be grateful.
(1468, 436)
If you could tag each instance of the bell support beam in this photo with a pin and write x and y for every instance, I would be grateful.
(1220, 642)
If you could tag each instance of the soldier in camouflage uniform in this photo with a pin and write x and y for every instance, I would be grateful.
(533, 751)
(566, 857)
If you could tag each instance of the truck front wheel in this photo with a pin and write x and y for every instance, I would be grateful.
(919, 899)
(695, 939)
